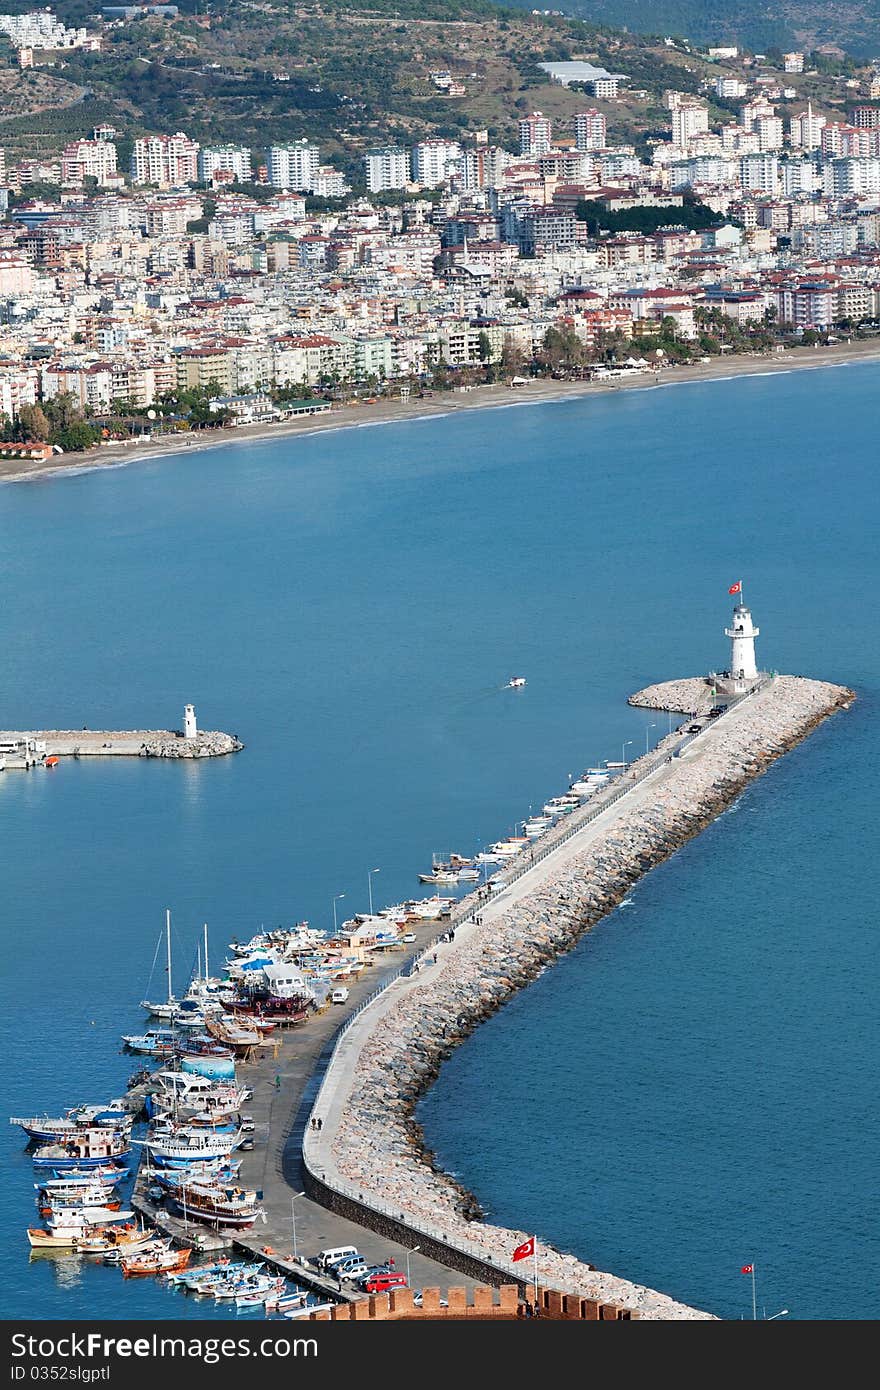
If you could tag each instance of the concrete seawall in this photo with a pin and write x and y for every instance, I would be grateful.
(370, 1155)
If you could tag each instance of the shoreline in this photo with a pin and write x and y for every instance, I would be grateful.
(538, 392)
(369, 1105)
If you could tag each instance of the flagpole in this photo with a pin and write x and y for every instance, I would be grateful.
(754, 1300)
(535, 1253)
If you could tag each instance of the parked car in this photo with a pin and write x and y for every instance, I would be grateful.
(408, 936)
(352, 1269)
(694, 728)
(328, 1259)
(381, 1281)
(339, 996)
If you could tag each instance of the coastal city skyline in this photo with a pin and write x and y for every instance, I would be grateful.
(210, 284)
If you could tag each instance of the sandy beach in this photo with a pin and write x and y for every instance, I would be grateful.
(444, 403)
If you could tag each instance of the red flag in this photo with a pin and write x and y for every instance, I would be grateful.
(736, 588)
(523, 1251)
(748, 1269)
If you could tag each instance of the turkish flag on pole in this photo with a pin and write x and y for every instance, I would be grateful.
(522, 1252)
(736, 588)
(748, 1269)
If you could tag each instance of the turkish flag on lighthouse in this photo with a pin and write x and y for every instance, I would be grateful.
(736, 588)
(522, 1252)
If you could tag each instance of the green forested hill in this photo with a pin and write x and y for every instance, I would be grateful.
(854, 25)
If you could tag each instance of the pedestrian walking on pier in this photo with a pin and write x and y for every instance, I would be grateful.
(278, 1082)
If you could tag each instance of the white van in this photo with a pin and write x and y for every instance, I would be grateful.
(328, 1259)
(339, 996)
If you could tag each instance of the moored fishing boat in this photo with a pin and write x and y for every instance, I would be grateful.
(155, 1042)
(46, 1129)
(162, 1260)
(90, 1148)
(115, 1241)
(185, 1145)
(218, 1204)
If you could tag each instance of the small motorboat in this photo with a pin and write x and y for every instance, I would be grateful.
(515, 683)
(51, 761)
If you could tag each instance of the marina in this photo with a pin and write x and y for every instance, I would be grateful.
(189, 1177)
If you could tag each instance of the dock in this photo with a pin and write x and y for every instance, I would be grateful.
(26, 749)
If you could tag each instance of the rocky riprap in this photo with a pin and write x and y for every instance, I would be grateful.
(690, 696)
(379, 1147)
(205, 745)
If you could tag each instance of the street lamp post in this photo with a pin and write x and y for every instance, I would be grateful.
(414, 1249)
(647, 734)
(623, 753)
(370, 887)
(293, 1219)
(335, 901)
(783, 1313)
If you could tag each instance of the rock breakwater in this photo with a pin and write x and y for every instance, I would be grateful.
(693, 695)
(374, 1148)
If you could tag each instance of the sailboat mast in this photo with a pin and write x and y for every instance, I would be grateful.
(206, 952)
(168, 951)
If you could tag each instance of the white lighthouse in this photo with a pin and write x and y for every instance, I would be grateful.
(190, 728)
(742, 633)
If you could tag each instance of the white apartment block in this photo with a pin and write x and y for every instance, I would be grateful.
(386, 168)
(535, 134)
(752, 110)
(329, 183)
(843, 177)
(688, 119)
(806, 130)
(730, 87)
(165, 160)
(738, 140)
(17, 388)
(590, 130)
(799, 176)
(228, 159)
(431, 161)
(759, 173)
(714, 170)
(793, 62)
(771, 134)
(294, 166)
(40, 30)
(88, 159)
(483, 166)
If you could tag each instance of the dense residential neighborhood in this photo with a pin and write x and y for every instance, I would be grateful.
(217, 284)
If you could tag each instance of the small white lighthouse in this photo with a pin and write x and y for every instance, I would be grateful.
(742, 633)
(190, 728)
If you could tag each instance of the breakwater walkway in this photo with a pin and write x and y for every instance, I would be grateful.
(368, 1161)
(31, 748)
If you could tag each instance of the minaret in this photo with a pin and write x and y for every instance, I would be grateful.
(190, 728)
(742, 634)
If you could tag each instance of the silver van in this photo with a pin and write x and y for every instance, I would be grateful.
(329, 1259)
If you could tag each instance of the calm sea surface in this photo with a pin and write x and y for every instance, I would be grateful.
(694, 1087)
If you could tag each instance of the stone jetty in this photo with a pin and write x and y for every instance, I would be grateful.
(126, 743)
(370, 1151)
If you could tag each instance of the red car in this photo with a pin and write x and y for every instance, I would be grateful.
(380, 1282)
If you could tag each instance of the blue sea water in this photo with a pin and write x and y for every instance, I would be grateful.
(693, 1088)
